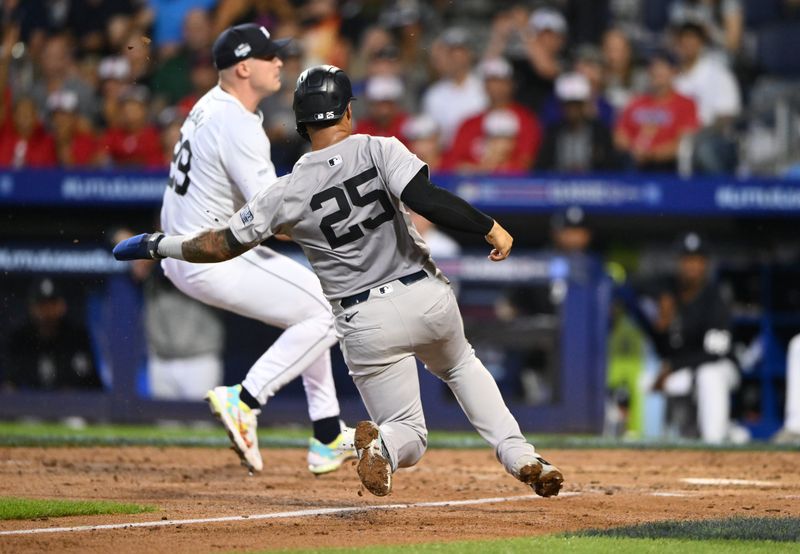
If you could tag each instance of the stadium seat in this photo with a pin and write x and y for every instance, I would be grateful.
(761, 12)
(777, 45)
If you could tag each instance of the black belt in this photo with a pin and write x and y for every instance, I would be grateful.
(348, 301)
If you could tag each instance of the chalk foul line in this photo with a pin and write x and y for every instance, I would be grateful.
(733, 482)
(279, 515)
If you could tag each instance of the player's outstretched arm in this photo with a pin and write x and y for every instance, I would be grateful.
(448, 210)
(501, 240)
(215, 245)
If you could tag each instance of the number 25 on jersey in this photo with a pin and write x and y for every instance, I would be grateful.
(340, 196)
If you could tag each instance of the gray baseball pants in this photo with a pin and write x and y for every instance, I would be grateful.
(380, 338)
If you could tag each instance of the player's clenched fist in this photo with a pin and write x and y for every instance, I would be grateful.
(140, 247)
(501, 240)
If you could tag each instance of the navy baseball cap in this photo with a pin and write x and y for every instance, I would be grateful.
(244, 41)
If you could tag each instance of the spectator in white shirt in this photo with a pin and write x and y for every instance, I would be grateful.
(722, 19)
(707, 80)
(459, 93)
(704, 78)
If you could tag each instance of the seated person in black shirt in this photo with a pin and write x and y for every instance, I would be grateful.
(49, 352)
(693, 339)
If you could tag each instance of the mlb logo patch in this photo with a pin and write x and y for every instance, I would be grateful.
(334, 161)
(246, 215)
(385, 289)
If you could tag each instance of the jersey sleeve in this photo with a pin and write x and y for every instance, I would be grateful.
(246, 157)
(260, 218)
(398, 165)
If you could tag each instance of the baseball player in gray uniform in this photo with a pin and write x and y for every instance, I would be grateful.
(344, 204)
(221, 161)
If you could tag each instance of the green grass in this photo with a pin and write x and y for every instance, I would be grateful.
(55, 434)
(28, 508)
(736, 534)
(735, 528)
(572, 545)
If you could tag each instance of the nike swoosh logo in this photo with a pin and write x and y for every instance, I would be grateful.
(348, 317)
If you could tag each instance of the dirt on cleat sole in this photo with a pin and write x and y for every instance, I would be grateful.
(549, 484)
(529, 474)
(543, 484)
(373, 469)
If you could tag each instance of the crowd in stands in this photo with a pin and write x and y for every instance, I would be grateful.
(473, 86)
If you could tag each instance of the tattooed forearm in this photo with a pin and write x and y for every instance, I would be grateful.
(217, 245)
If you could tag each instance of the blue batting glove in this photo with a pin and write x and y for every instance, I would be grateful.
(140, 247)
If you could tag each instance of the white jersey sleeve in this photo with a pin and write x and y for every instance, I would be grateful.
(245, 155)
(262, 216)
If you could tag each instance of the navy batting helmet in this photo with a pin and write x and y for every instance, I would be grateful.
(321, 95)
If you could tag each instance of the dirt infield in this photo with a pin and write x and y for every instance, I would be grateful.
(608, 488)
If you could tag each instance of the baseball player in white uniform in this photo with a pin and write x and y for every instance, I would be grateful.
(344, 204)
(221, 161)
(790, 432)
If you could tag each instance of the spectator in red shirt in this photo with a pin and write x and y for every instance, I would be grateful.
(75, 147)
(652, 125)
(135, 143)
(10, 38)
(469, 145)
(501, 130)
(26, 143)
(385, 117)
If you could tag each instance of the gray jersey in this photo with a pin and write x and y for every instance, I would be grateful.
(342, 205)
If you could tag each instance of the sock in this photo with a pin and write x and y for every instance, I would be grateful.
(326, 430)
(249, 399)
